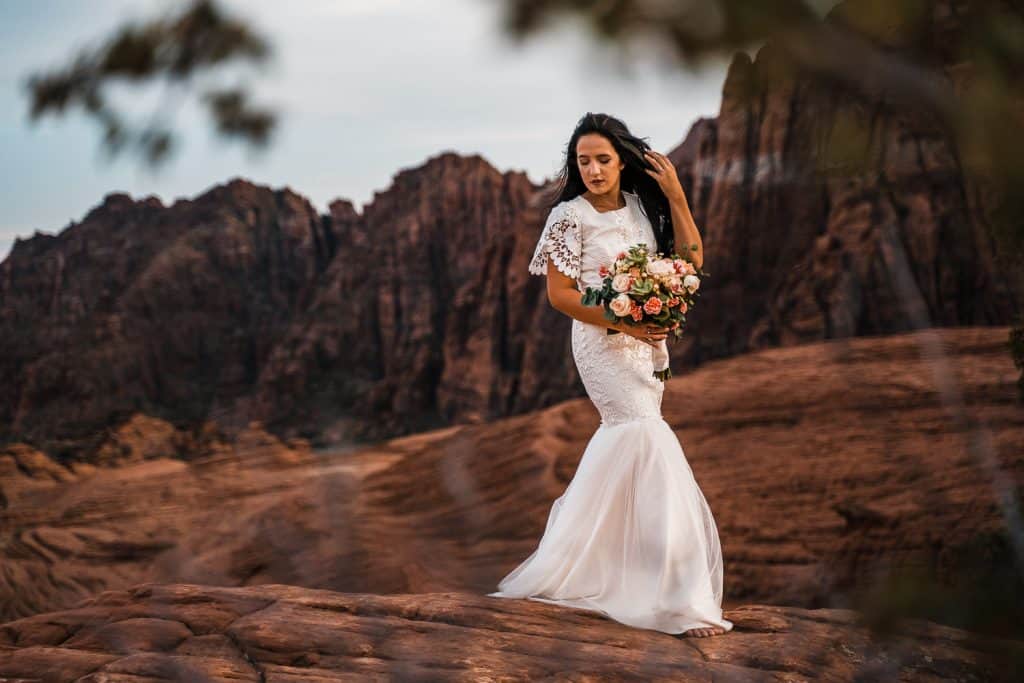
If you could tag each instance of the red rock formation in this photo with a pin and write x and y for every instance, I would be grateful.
(828, 213)
(171, 311)
(233, 307)
(292, 634)
(823, 464)
(428, 316)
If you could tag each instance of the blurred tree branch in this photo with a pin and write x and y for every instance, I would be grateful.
(173, 48)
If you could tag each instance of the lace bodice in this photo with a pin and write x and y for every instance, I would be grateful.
(579, 239)
(616, 369)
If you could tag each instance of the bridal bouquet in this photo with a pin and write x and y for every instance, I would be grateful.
(641, 289)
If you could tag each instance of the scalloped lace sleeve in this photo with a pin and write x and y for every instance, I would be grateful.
(561, 241)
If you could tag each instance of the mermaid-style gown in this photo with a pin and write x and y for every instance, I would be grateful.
(632, 535)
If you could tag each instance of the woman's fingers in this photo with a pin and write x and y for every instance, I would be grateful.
(653, 334)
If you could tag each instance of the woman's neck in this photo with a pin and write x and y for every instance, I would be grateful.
(602, 203)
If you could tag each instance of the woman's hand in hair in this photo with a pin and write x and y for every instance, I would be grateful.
(665, 173)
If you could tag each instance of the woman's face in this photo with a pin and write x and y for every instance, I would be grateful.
(599, 163)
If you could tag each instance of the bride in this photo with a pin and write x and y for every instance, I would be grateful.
(632, 536)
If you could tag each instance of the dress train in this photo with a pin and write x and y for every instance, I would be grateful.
(632, 536)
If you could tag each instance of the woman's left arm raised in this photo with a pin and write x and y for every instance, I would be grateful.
(683, 226)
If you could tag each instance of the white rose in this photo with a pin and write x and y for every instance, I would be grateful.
(620, 283)
(691, 282)
(660, 267)
(621, 304)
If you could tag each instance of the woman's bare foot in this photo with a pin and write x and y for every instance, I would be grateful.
(704, 632)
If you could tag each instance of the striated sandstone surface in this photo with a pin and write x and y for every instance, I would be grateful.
(287, 634)
(822, 463)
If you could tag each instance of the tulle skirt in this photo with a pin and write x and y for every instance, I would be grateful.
(631, 537)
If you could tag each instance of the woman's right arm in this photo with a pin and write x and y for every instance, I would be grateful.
(564, 297)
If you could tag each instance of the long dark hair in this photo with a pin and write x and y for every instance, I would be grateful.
(633, 178)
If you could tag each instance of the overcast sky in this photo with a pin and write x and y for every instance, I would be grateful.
(364, 88)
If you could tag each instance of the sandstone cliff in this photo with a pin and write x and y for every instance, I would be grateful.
(804, 243)
(170, 311)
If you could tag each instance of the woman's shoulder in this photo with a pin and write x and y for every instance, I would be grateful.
(565, 209)
(570, 203)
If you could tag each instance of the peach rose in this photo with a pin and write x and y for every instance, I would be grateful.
(621, 305)
(622, 282)
(653, 305)
(636, 312)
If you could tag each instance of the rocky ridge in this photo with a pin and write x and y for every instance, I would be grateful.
(286, 634)
(827, 466)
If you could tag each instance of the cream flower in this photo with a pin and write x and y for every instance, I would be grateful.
(622, 282)
(660, 267)
(621, 304)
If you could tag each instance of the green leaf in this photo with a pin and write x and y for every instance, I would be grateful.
(642, 288)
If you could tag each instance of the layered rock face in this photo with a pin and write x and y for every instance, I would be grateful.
(167, 311)
(428, 315)
(245, 304)
(829, 213)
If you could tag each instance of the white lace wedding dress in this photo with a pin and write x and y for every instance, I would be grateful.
(632, 536)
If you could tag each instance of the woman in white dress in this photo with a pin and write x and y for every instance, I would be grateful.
(632, 536)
